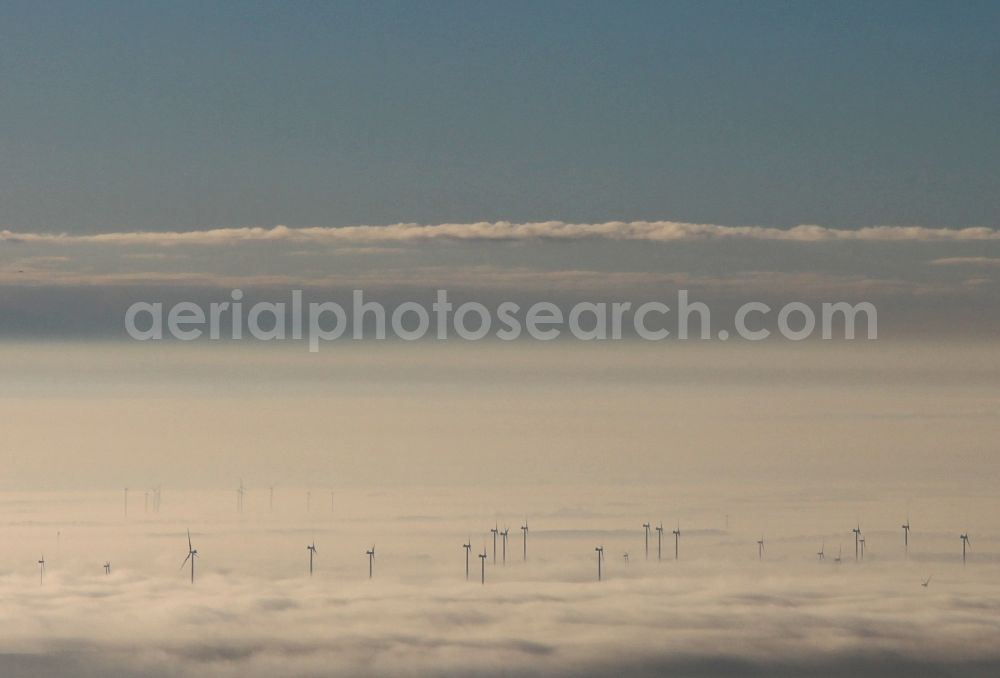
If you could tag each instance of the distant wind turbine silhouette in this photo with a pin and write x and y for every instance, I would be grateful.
(677, 539)
(482, 565)
(504, 534)
(857, 537)
(240, 492)
(862, 542)
(468, 549)
(760, 548)
(645, 526)
(524, 540)
(822, 551)
(192, 554)
(41, 570)
(659, 541)
(107, 567)
(495, 531)
(371, 559)
(906, 535)
(312, 552)
(926, 582)
(625, 557)
(965, 542)
(600, 559)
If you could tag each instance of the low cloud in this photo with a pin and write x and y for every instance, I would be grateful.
(967, 261)
(652, 231)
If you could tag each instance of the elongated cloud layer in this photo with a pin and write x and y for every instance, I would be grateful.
(652, 231)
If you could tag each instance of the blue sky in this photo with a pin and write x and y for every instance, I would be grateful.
(135, 116)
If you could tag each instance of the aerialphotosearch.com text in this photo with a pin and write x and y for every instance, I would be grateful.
(363, 318)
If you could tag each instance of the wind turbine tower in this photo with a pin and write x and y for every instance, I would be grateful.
(659, 541)
(312, 552)
(192, 554)
(482, 565)
(524, 541)
(371, 559)
(965, 542)
(468, 549)
(857, 537)
(600, 559)
(645, 526)
(677, 539)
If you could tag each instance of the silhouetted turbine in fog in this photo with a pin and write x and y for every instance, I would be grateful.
(371, 559)
(312, 552)
(524, 540)
(192, 554)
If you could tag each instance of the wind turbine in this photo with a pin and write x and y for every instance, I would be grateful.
(906, 534)
(524, 540)
(646, 528)
(41, 570)
(107, 567)
(482, 565)
(857, 536)
(312, 552)
(659, 541)
(468, 549)
(926, 582)
(965, 542)
(822, 551)
(600, 558)
(240, 491)
(192, 554)
(505, 534)
(862, 548)
(495, 531)
(625, 557)
(760, 548)
(677, 539)
(839, 552)
(371, 559)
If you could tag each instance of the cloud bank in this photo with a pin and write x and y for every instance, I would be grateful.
(651, 231)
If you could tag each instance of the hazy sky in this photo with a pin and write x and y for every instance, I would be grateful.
(122, 115)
